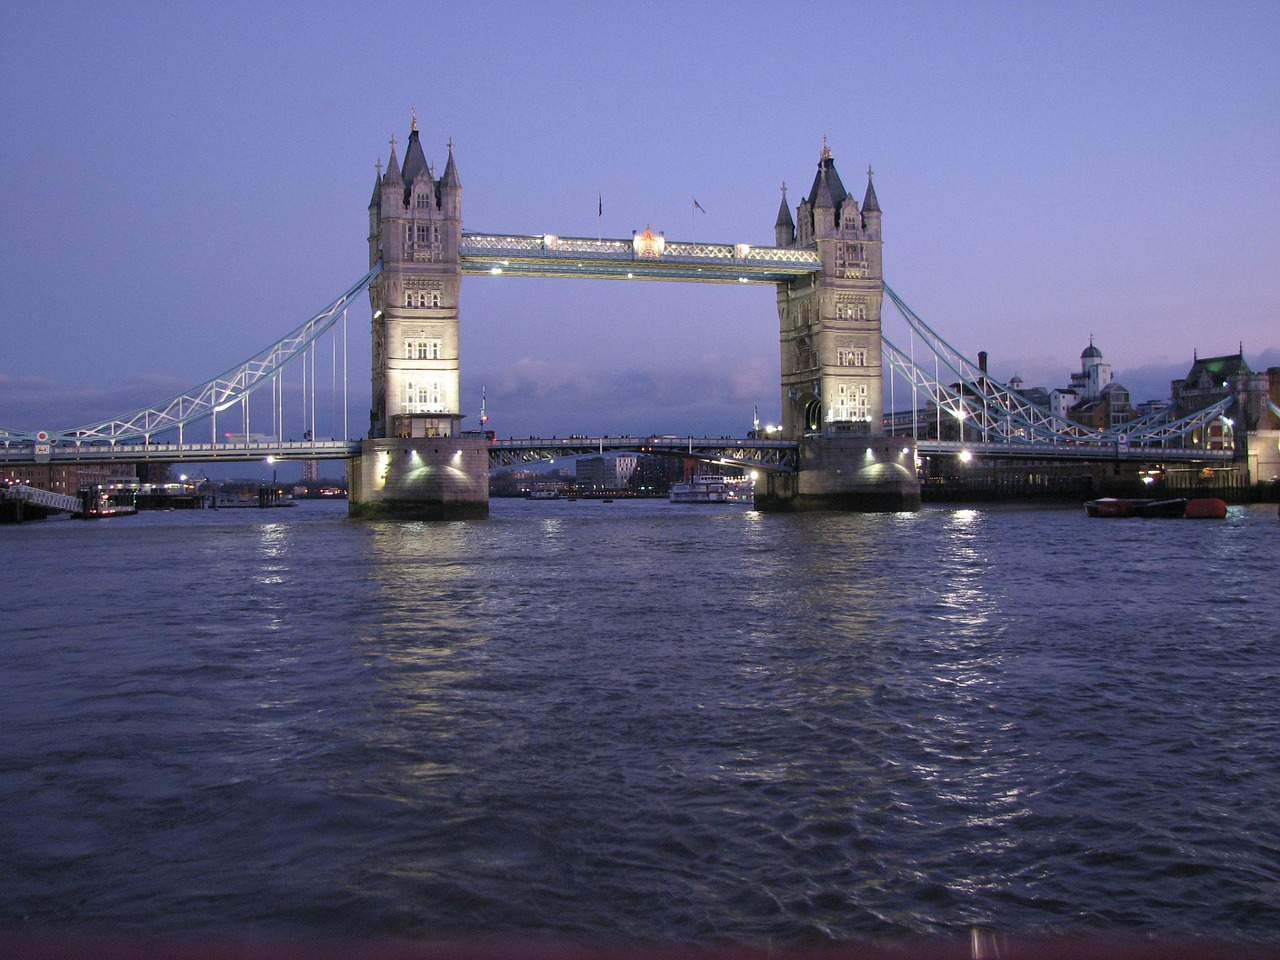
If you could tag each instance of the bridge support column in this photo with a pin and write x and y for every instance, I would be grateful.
(431, 478)
(856, 474)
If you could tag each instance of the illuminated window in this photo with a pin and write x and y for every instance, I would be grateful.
(422, 396)
(861, 406)
(851, 402)
(852, 309)
(422, 349)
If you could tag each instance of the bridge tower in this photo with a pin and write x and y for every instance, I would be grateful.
(418, 462)
(829, 335)
(830, 323)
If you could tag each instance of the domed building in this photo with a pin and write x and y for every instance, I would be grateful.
(1092, 398)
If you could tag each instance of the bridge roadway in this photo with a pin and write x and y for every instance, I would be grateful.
(753, 453)
(644, 257)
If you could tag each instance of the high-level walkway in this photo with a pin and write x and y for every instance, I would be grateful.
(646, 256)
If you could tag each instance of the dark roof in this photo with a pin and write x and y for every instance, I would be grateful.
(1090, 351)
(1037, 395)
(450, 176)
(1220, 369)
(834, 186)
(392, 176)
(415, 164)
(869, 202)
(784, 214)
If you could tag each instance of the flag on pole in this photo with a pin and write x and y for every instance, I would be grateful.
(698, 205)
(600, 205)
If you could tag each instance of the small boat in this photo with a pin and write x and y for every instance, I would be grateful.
(1176, 507)
(705, 488)
(1206, 509)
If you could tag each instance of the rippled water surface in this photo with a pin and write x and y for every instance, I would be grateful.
(638, 721)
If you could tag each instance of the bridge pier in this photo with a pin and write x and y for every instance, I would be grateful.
(420, 478)
(854, 474)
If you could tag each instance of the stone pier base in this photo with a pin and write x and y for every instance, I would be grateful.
(431, 478)
(855, 474)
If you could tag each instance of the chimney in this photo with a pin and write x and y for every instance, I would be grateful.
(982, 361)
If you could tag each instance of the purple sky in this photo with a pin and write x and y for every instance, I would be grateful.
(182, 185)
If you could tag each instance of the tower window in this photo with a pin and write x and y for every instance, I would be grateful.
(852, 309)
(422, 397)
(422, 349)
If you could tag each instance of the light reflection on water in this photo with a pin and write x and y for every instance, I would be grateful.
(641, 721)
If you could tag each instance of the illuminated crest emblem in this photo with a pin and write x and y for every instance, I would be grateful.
(648, 245)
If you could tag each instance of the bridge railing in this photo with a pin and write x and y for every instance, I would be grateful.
(40, 497)
(183, 452)
(552, 246)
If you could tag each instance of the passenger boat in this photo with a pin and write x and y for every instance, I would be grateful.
(1203, 509)
(545, 491)
(739, 490)
(705, 488)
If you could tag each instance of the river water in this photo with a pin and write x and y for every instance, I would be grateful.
(639, 722)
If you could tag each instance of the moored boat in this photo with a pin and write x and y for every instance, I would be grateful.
(1206, 509)
(705, 488)
(1175, 507)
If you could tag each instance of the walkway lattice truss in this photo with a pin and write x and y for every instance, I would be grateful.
(996, 413)
(214, 395)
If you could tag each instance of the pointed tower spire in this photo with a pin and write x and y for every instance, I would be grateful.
(392, 176)
(415, 163)
(450, 177)
(869, 202)
(823, 200)
(784, 228)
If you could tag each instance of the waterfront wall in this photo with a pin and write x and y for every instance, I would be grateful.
(946, 480)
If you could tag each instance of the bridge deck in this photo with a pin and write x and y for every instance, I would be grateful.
(636, 259)
(775, 455)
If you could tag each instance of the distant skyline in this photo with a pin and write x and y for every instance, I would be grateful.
(181, 186)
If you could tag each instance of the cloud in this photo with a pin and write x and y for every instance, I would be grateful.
(39, 403)
(708, 394)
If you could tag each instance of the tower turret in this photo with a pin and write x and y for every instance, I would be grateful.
(784, 228)
(871, 227)
(451, 189)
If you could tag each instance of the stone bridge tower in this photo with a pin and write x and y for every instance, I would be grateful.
(829, 325)
(829, 334)
(415, 229)
(418, 462)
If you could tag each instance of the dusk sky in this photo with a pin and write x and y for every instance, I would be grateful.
(183, 184)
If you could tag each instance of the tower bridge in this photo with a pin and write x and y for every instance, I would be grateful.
(835, 449)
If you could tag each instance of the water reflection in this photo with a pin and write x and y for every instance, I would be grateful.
(630, 723)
